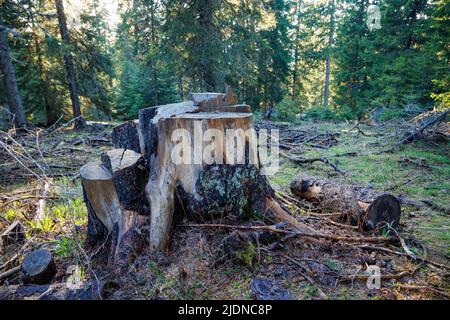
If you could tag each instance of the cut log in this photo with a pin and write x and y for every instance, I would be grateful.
(14, 234)
(117, 207)
(330, 196)
(341, 198)
(38, 267)
(383, 213)
(125, 136)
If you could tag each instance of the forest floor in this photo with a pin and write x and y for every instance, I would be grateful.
(194, 268)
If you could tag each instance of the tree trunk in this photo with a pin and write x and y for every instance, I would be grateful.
(51, 116)
(9, 81)
(295, 85)
(70, 68)
(326, 91)
(200, 180)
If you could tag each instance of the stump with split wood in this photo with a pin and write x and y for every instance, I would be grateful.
(185, 166)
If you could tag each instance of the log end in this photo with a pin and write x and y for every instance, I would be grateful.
(383, 211)
(38, 267)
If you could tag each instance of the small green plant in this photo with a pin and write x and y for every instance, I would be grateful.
(248, 254)
(65, 247)
(45, 225)
(311, 290)
(11, 214)
(155, 269)
(333, 264)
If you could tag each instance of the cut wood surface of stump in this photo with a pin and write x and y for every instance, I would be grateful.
(189, 164)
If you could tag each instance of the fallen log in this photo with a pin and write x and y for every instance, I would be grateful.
(427, 123)
(38, 267)
(337, 197)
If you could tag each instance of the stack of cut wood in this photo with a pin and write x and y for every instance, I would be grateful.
(133, 192)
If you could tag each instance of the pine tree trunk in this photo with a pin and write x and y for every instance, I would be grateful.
(326, 93)
(70, 68)
(296, 54)
(9, 81)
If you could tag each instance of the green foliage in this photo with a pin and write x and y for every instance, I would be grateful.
(272, 52)
(247, 255)
(46, 225)
(65, 247)
(320, 113)
(389, 114)
(287, 110)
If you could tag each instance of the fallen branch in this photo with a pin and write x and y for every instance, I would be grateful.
(414, 287)
(9, 272)
(387, 250)
(311, 160)
(292, 233)
(438, 117)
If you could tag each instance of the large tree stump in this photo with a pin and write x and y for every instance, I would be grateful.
(195, 170)
(207, 187)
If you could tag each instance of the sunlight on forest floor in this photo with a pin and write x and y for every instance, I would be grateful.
(418, 170)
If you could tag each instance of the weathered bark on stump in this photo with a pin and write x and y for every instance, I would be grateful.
(126, 136)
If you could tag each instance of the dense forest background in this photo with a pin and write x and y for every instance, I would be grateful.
(318, 58)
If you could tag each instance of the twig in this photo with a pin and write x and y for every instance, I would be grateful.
(387, 250)
(305, 275)
(292, 233)
(9, 272)
(20, 162)
(64, 125)
(310, 160)
(414, 287)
